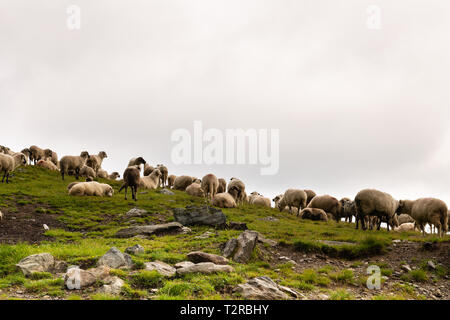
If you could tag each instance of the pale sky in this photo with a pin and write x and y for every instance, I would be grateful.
(355, 107)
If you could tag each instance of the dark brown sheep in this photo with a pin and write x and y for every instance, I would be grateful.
(132, 179)
(328, 204)
(314, 214)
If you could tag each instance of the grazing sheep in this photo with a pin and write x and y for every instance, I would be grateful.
(426, 210)
(404, 218)
(285, 209)
(253, 196)
(36, 154)
(102, 174)
(164, 174)
(95, 160)
(9, 163)
(152, 181)
(114, 176)
(137, 162)
(73, 163)
(237, 189)
(148, 169)
(91, 189)
(195, 189)
(222, 186)
(407, 226)
(261, 201)
(52, 156)
(293, 198)
(171, 180)
(27, 154)
(371, 202)
(223, 200)
(210, 184)
(182, 182)
(328, 204)
(309, 195)
(314, 214)
(87, 172)
(47, 164)
(132, 179)
(348, 209)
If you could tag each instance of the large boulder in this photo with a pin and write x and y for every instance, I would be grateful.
(205, 267)
(230, 248)
(76, 278)
(161, 267)
(166, 228)
(246, 243)
(199, 256)
(41, 262)
(264, 288)
(115, 259)
(195, 215)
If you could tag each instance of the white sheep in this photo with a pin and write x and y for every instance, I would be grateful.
(223, 200)
(293, 198)
(91, 189)
(151, 181)
(73, 163)
(47, 164)
(9, 163)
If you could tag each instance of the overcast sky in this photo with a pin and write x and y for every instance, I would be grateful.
(356, 107)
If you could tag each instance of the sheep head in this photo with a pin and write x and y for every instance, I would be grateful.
(102, 154)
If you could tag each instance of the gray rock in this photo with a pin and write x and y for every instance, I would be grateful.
(262, 288)
(76, 279)
(185, 230)
(237, 225)
(59, 267)
(161, 267)
(270, 242)
(41, 262)
(205, 267)
(195, 215)
(229, 248)
(136, 212)
(136, 249)
(431, 264)
(246, 243)
(166, 192)
(406, 268)
(183, 264)
(269, 218)
(199, 256)
(115, 259)
(287, 260)
(113, 285)
(166, 228)
(206, 235)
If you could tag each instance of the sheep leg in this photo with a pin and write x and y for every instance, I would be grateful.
(298, 211)
(3, 180)
(126, 190)
(77, 173)
(7, 177)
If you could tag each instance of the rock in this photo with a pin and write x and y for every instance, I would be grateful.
(59, 267)
(161, 267)
(199, 256)
(76, 279)
(287, 260)
(431, 265)
(195, 215)
(323, 296)
(46, 228)
(205, 267)
(205, 235)
(185, 230)
(237, 225)
(406, 268)
(113, 285)
(396, 240)
(166, 192)
(183, 264)
(166, 228)
(270, 242)
(230, 247)
(115, 259)
(136, 249)
(136, 212)
(291, 292)
(269, 218)
(261, 288)
(246, 243)
(41, 262)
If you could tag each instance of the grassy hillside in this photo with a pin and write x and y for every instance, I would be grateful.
(82, 229)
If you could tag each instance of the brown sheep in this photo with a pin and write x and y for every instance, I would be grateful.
(132, 179)
(137, 162)
(371, 202)
(328, 204)
(148, 169)
(223, 200)
(73, 163)
(293, 198)
(237, 189)
(222, 186)
(182, 182)
(210, 184)
(36, 154)
(314, 214)
(164, 174)
(171, 180)
(95, 160)
(426, 210)
(52, 156)
(87, 172)
(310, 195)
(195, 189)
(348, 209)
(9, 163)
(27, 154)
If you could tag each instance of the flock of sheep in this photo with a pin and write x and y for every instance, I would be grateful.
(370, 207)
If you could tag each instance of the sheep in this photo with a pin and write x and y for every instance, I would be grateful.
(164, 173)
(9, 163)
(328, 204)
(91, 189)
(74, 163)
(210, 184)
(404, 218)
(348, 209)
(27, 154)
(426, 210)
(52, 156)
(407, 226)
(223, 200)
(114, 176)
(371, 202)
(95, 160)
(182, 182)
(277, 199)
(195, 189)
(261, 201)
(253, 196)
(309, 195)
(171, 180)
(47, 164)
(196, 180)
(74, 183)
(38, 154)
(222, 186)
(137, 162)
(102, 174)
(291, 198)
(132, 179)
(237, 189)
(152, 181)
(87, 172)
(148, 169)
(314, 214)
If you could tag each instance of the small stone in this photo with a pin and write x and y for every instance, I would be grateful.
(136, 212)
(205, 235)
(113, 285)
(205, 267)
(183, 264)
(166, 192)
(136, 249)
(46, 228)
(161, 267)
(406, 268)
(431, 265)
(115, 259)
(199, 256)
